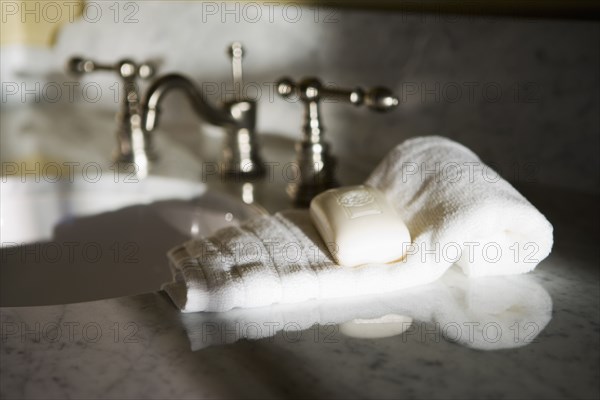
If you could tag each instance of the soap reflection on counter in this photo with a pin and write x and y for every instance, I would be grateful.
(388, 325)
(489, 313)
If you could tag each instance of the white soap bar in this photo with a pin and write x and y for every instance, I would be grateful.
(359, 225)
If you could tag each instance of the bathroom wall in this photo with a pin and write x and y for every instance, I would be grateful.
(523, 93)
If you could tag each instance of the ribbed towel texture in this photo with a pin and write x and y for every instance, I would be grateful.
(457, 209)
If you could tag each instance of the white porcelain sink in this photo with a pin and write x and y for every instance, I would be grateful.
(79, 240)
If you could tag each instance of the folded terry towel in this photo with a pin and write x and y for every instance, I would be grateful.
(456, 208)
(451, 200)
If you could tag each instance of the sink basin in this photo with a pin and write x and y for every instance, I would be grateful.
(82, 239)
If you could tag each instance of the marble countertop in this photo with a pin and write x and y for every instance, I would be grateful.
(142, 347)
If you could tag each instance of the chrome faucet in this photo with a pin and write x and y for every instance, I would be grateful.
(238, 117)
(315, 164)
(133, 143)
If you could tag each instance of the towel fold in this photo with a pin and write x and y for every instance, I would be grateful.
(461, 210)
(457, 209)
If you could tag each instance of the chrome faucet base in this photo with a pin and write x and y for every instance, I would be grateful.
(316, 172)
(124, 150)
(133, 143)
(240, 155)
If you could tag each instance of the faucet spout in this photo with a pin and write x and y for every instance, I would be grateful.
(238, 118)
(156, 92)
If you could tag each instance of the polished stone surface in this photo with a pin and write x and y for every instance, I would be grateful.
(533, 336)
(547, 344)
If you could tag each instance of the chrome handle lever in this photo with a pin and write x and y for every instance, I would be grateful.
(315, 163)
(125, 68)
(311, 89)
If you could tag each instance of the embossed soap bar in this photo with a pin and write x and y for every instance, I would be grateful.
(359, 225)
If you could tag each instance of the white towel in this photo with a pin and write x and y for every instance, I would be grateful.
(456, 208)
(451, 200)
